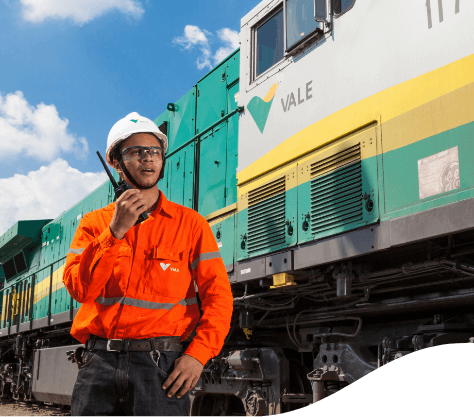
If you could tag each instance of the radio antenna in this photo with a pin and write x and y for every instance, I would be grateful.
(112, 179)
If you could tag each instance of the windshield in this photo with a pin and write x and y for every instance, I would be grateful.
(299, 20)
(270, 43)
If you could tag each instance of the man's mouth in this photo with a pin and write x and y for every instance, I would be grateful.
(147, 170)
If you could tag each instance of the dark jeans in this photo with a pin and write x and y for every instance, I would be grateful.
(113, 383)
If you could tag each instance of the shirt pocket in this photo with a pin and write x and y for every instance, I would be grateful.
(117, 284)
(167, 272)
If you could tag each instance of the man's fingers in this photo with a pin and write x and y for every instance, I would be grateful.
(185, 388)
(176, 386)
(123, 205)
(186, 373)
(138, 206)
(132, 203)
(171, 378)
(132, 199)
(128, 193)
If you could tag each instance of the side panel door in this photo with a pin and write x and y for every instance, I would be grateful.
(189, 169)
(180, 177)
(224, 232)
(175, 165)
(211, 100)
(182, 121)
(212, 170)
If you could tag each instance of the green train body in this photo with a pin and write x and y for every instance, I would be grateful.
(323, 204)
(35, 296)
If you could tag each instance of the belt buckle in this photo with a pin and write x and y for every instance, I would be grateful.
(108, 345)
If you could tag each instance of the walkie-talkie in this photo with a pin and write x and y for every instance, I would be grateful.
(120, 188)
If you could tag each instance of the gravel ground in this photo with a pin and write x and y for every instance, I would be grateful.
(12, 409)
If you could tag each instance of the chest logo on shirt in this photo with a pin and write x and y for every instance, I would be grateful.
(165, 267)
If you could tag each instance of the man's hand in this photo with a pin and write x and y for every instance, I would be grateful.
(127, 209)
(185, 375)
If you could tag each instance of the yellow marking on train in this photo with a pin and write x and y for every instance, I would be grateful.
(288, 171)
(58, 286)
(42, 287)
(4, 307)
(15, 298)
(270, 93)
(219, 219)
(21, 301)
(58, 275)
(411, 95)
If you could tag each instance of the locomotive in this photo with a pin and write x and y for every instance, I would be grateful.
(332, 156)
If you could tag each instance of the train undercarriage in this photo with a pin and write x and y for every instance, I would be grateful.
(321, 329)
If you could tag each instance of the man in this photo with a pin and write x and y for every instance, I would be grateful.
(136, 283)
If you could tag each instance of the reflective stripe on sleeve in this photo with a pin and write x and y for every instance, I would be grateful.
(188, 301)
(205, 257)
(76, 251)
(150, 305)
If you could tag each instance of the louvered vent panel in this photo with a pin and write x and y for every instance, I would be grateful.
(266, 216)
(336, 190)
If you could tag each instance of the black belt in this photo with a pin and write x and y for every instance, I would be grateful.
(170, 343)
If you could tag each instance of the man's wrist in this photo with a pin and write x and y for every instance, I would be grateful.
(115, 234)
(199, 362)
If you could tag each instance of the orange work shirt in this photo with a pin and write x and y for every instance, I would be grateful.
(142, 286)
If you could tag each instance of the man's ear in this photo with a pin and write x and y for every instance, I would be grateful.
(118, 168)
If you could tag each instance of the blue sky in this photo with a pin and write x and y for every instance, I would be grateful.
(70, 69)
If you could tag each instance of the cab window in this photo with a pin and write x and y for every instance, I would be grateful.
(269, 42)
(299, 20)
(342, 6)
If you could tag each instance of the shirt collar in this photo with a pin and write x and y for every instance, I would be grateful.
(164, 206)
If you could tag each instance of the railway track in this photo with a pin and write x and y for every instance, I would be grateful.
(20, 408)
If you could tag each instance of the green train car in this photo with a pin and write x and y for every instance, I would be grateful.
(332, 156)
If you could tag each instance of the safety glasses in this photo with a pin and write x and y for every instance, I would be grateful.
(139, 152)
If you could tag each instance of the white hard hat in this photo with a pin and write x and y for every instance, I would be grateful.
(126, 127)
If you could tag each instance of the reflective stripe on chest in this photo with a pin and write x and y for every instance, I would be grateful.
(150, 305)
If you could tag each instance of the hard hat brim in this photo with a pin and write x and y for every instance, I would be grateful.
(108, 154)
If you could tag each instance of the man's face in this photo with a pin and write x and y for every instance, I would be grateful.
(147, 169)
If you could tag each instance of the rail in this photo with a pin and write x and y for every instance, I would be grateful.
(239, 109)
(8, 317)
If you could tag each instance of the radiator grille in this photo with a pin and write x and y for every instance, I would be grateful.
(336, 190)
(266, 216)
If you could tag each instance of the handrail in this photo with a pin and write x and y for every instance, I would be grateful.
(239, 109)
(30, 275)
(9, 317)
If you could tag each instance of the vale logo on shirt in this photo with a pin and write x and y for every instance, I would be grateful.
(165, 267)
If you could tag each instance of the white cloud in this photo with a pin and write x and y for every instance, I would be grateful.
(45, 193)
(79, 11)
(230, 39)
(195, 37)
(35, 131)
(192, 36)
